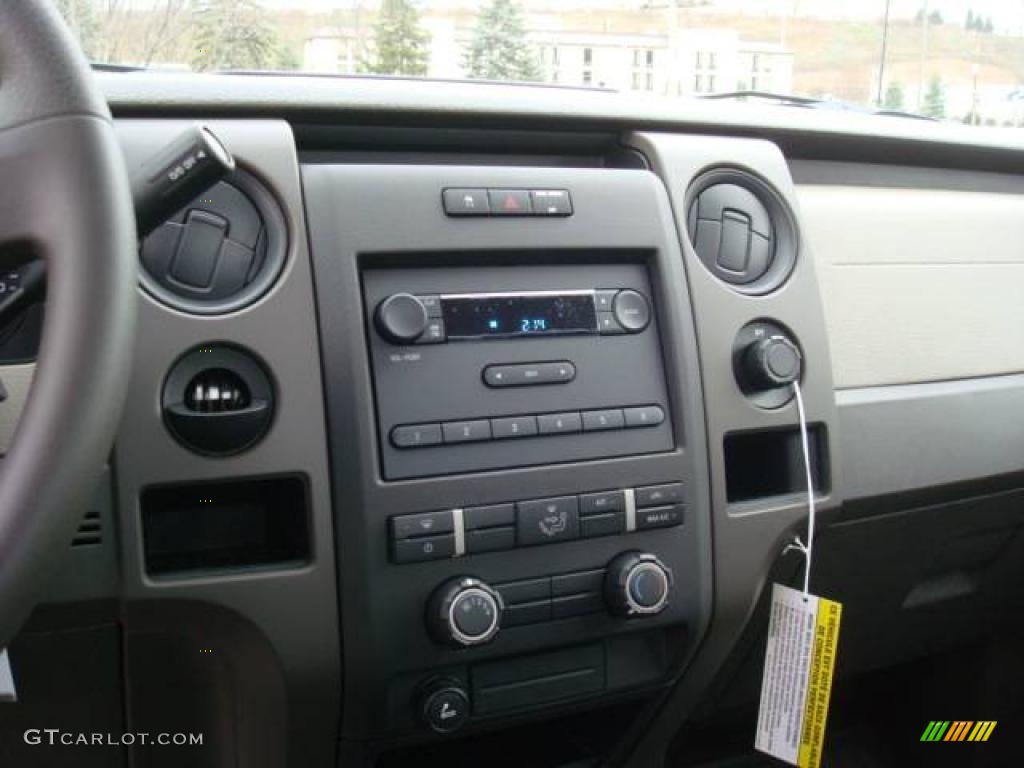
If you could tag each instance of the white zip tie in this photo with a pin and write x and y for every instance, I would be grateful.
(808, 548)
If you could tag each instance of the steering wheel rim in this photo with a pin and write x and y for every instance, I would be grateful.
(64, 193)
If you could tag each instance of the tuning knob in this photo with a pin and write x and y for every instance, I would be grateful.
(401, 318)
(637, 584)
(464, 612)
(771, 362)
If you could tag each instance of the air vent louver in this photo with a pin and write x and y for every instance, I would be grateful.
(741, 230)
(220, 252)
(90, 531)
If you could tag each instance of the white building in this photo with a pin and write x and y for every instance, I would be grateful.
(676, 62)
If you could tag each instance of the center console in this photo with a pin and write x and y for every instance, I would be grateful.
(516, 440)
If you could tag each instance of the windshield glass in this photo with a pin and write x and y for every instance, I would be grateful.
(957, 60)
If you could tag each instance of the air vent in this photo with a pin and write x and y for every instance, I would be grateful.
(741, 230)
(220, 252)
(90, 531)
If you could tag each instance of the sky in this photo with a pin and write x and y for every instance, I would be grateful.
(1006, 15)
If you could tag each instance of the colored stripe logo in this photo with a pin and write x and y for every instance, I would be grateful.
(958, 730)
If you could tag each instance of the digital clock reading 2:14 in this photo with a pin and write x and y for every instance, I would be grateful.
(521, 314)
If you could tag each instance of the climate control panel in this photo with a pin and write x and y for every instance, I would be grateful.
(465, 611)
(474, 530)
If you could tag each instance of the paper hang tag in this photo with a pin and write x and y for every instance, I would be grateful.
(7, 690)
(797, 682)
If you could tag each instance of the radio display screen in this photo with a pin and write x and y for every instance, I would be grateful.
(524, 314)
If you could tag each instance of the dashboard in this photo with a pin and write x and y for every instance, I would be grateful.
(446, 420)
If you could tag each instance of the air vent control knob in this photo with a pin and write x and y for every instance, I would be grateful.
(772, 362)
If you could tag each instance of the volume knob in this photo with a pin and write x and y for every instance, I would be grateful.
(401, 318)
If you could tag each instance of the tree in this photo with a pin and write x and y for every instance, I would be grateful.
(970, 19)
(232, 34)
(400, 45)
(893, 96)
(80, 16)
(499, 50)
(934, 99)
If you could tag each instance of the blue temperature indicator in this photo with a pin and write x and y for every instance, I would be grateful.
(493, 324)
(533, 324)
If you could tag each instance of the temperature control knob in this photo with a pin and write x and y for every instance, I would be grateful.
(401, 318)
(772, 362)
(464, 612)
(637, 584)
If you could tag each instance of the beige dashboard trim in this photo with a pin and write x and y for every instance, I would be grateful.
(918, 285)
(17, 381)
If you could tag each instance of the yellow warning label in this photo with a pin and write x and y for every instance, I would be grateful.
(819, 683)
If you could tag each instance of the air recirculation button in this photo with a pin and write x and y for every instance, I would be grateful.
(741, 230)
(218, 400)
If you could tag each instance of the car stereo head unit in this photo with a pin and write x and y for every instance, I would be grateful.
(404, 318)
(496, 315)
(562, 363)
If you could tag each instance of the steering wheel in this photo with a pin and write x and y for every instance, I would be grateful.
(64, 196)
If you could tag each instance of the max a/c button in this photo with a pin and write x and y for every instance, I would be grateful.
(659, 517)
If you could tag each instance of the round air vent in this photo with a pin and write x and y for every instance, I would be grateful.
(741, 230)
(220, 252)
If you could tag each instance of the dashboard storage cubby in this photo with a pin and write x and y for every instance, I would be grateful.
(769, 463)
(225, 526)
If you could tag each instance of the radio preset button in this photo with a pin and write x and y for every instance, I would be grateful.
(416, 435)
(466, 431)
(514, 426)
(543, 521)
(632, 311)
(644, 416)
(594, 421)
(560, 423)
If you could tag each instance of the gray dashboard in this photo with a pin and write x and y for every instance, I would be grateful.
(358, 169)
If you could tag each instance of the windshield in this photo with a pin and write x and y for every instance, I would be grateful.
(959, 60)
